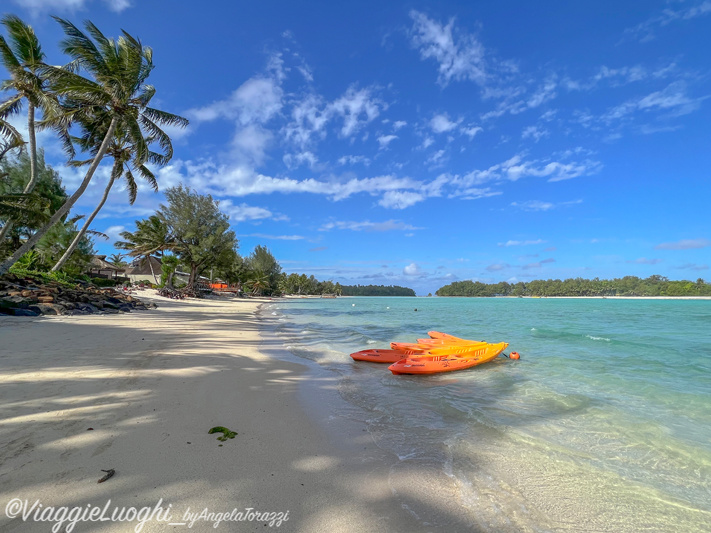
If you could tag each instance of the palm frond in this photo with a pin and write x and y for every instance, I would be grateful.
(24, 41)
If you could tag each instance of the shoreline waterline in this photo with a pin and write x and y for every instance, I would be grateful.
(602, 422)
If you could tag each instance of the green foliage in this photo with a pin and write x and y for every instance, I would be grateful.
(301, 284)
(264, 270)
(44, 277)
(105, 282)
(377, 290)
(198, 233)
(28, 211)
(626, 286)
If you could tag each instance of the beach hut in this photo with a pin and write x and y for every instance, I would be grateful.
(100, 268)
(145, 268)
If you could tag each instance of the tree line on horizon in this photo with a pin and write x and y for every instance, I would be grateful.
(627, 286)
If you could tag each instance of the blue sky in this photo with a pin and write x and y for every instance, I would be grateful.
(420, 143)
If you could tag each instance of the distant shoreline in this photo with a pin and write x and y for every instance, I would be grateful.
(590, 297)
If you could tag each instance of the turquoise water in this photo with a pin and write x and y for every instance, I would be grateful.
(604, 424)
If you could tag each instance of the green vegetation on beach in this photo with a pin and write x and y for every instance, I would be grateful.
(627, 286)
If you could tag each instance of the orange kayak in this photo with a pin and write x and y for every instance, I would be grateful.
(417, 364)
(443, 336)
(393, 356)
(385, 356)
(437, 345)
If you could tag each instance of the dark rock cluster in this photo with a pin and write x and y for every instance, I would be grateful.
(21, 296)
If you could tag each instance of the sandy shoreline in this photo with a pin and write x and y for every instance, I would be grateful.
(151, 384)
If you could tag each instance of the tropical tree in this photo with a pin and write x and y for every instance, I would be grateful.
(23, 58)
(125, 153)
(258, 282)
(28, 212)
(151, 238)
(262, 260)
(119, 69)
(198, 232)
(117, 260)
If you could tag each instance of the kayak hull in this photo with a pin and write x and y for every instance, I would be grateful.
(384, 356)
(418, 365)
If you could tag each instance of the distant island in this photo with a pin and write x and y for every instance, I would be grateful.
(376, 290)
(627, 286)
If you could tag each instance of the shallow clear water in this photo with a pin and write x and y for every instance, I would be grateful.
(603, 425)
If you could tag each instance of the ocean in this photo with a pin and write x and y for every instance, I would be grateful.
(604, 424)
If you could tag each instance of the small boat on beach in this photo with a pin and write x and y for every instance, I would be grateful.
(417, 364)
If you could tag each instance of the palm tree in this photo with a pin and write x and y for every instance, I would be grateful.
(23, 58)
(120, 68)
(124, 152)
(150, 238)
(117, 260)
(258, 281)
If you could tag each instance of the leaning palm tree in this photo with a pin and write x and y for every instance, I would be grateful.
(120, 68)
(124, 153)
(23, 58)
(151, 238)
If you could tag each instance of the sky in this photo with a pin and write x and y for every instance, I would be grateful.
(421, 143)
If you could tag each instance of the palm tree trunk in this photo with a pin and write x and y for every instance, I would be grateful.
(84, 228)
(62, 211)
(33, 164)
(150, 265)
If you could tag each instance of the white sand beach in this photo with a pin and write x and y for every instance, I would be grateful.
(138, 392)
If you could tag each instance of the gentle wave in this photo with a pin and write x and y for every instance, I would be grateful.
(625, 419)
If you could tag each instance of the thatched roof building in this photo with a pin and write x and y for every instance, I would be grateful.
(100, 268)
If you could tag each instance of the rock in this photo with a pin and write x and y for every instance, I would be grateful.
(15, 302)
(86, 308)
(111, 311)
(25, 312)
(26, 293)
(44, 309)
(45, 299)
(125, 308)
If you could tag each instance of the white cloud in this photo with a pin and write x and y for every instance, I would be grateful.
(536, 205)
(535, 133)
(295, 160)
(645, 261)
(645, 30)
(400, 199)
(276, 237)
(309, 118)
(672, 99)
(243, 212)
(399, 124)
(257, 100)
(114, 232)
(471, 131)
(413, 269)
(250, 144)
(385, 140)
(353, 159)
(521, 243)
(684, 244)
(460, 58)
(42, 6)
(441, 123)
(388, 225)
(357, 108)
